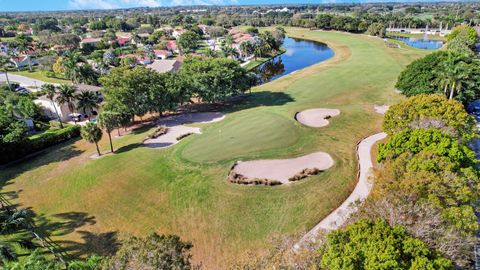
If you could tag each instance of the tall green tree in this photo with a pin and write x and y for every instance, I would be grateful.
(375, 245)
(188, 41)
(109, 120)
(70, 64)
(4, 63)
(92, 134)
(66, 95)
(86, 101)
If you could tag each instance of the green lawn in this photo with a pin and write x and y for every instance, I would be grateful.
(183, 189)
(40, 75)
(432, 37)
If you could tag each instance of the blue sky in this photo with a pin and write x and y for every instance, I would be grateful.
(36, 5)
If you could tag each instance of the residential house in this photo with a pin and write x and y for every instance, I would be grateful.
(141, 59)
(172, 46)
(163, 66)
(47, 107)
(90, 41)
(23, 61)
(204, 28)
(178, 32)
(123, 41)
(162, 54)
(240, 37)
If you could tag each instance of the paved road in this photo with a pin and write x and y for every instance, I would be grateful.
(361, 191)
(22, 80)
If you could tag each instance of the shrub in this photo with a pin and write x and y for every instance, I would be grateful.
(184, 135)
(14, 151)
(161, 130)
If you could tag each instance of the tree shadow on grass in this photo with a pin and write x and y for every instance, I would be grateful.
(241, 102)
(63, 224)
(61, 152)
(103, 244)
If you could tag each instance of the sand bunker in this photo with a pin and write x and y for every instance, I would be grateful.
(177, 129)
(381, 109)
(316, 117)
(280, 171)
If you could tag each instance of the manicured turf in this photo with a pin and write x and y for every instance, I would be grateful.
(183, 189)
(40, 75)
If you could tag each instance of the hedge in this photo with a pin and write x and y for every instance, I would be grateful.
(14, 151)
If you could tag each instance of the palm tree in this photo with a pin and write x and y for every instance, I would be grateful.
(109, 120)
(246, 48)
(50, 93)
(66, 95)
(86, 100)
(453, 74)
(70, 62)
(4, 61)
(229, 51)
(92, 134)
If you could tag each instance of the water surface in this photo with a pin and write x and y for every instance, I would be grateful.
(421, 43)
(299, 54)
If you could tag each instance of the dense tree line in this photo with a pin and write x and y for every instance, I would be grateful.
(428, 174)
(454, 73)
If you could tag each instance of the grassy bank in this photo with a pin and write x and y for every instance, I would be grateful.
(260, 60)
(183, 189)
(39, 75)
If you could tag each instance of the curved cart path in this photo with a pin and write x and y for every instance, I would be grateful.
(361, 192)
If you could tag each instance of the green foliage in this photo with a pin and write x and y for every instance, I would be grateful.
(426, 178)
(427, 140)
(91, 133)
(152, 252)
(375, 245)
(188, 41)
(377, 29)
(214, 79)
(424, 111)
(465, 33)
(19, 149)
(451, 73)
(419, 76)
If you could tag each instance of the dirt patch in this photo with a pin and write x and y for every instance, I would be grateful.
(279, 171)
(316, 117)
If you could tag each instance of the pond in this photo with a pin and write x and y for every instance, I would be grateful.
(421, 43)
(299, 54)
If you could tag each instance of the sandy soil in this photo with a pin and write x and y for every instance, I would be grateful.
(177, 128)
(381, 109)
(283, 169)
(316, 117)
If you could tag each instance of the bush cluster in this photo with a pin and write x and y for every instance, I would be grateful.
(13, 151)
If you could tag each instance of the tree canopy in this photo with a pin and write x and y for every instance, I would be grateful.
(152, 252)
(435, 111)
(373, 245)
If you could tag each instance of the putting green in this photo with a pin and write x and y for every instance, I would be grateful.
(244, 135)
